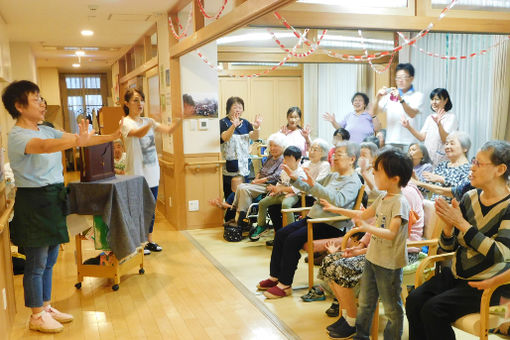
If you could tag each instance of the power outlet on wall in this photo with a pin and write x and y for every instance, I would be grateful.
(193, 205)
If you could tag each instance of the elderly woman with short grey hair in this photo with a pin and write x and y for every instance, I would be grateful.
(268, 174)
(339, 188)
(456, 170)
(317, 163)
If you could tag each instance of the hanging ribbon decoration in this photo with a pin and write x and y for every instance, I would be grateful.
(370, 60)
(211, 16)
(258, 74)
(184, 31)
(462, 57)
(312, 50)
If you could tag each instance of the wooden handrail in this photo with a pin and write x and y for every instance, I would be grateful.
(166, 163)
(6, 214)
(218, 162)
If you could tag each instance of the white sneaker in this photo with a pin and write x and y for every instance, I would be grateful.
(146, 251)
(45, 323)
(59, 316)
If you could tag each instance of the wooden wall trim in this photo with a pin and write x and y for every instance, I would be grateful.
(140, 70)
(385, 22)
(275, 73)
(318, 57)
(239, 16)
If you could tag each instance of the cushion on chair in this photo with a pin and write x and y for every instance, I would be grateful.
(411, 268)
(471, 323)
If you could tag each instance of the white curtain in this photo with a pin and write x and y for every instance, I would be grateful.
(328, 88)
(470, 82)
(501, 97)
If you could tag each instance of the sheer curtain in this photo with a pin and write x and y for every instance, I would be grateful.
(470, 82)
(501, 97)
(328, 88)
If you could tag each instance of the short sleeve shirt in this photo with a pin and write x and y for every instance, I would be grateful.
(34, 170)
(390, 254)
(237, 147)
(359, 126)
(395, 132)
(141, 154)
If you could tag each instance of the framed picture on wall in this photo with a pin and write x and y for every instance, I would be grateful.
(200, 105)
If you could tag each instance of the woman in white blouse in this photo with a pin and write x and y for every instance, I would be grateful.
(437, 126)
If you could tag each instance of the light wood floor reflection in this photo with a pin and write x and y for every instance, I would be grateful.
(181, 296)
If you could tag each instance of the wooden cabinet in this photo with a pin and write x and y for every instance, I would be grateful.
(269, 96)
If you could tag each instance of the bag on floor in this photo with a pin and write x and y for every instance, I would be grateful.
(232, 233)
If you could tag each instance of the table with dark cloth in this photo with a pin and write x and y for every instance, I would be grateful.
(125, 204)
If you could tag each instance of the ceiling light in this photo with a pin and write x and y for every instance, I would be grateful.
(87, 33)
(76, 65)
(79, 53)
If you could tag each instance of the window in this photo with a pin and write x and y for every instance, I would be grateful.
(84, 95)
(476, 5)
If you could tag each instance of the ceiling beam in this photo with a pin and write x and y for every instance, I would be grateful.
(240, 16)
(277, 57)
(384, 22)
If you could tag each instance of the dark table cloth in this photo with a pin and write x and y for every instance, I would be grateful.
(126, 205)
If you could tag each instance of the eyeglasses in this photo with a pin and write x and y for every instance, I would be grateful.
(478, 164)
(402, 78)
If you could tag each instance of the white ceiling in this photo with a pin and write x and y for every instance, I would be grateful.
(49, 25)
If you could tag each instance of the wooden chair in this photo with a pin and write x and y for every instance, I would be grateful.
(308, 246)
(477, 324)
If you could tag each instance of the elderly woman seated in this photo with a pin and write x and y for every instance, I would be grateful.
(477, 229)
(339, 188)
(268, 174)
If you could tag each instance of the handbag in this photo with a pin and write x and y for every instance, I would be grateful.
(97, 162)
(232, 233)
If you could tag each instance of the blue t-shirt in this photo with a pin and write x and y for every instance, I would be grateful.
(34, 170)
(236, 151)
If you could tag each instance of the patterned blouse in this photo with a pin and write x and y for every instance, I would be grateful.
(453, 176)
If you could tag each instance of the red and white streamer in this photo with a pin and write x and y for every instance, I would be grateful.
(462, 57)
(376, 70)
(312, 50)
(183, 32)
(211, 16)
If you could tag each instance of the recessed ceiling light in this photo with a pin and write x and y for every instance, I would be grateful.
(87, 33)
(79, 53)
(76, 65)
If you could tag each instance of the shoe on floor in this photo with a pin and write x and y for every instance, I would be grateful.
(343, 331)
(58, 315)
(270, 243)
(45, 323)
(333, 310)
(314, 294)
(266, 284)
(256, 232)
(336, 324)
(276, 292)
(153, 247)
(146, 251)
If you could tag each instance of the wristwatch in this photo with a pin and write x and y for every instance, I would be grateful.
(402, 101)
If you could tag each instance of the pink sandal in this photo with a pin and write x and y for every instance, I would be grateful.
(276, 292)
(266, 284)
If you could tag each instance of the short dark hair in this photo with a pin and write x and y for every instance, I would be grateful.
(362, 95)
(127, 97)
(406, 67)
(17, 92)
(443, 94)
(426, 157)
(342, 132)
(372, 139)
(500, 154)
(187, 99)
(234, 100)
(293, 109)
(292, 151)
(395, 163)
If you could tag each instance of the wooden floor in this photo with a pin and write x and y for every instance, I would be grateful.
(181, 296)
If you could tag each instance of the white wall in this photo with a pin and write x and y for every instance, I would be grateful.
(23, 62)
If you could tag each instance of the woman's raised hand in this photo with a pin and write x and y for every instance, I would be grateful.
(439, 116)
(405, 122)
(306, 132)
(382, 92)
(329, 117)
(309, 179)
(83, 137)
(289, 171)
(236, 120)
(451, 214)
(332, 246)
(258, 121)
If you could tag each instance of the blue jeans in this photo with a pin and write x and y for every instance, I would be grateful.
(154, 191)
(38, 274)
(386, 283)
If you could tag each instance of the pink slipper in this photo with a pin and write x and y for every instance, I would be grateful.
(276, 292)
(266, 284)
